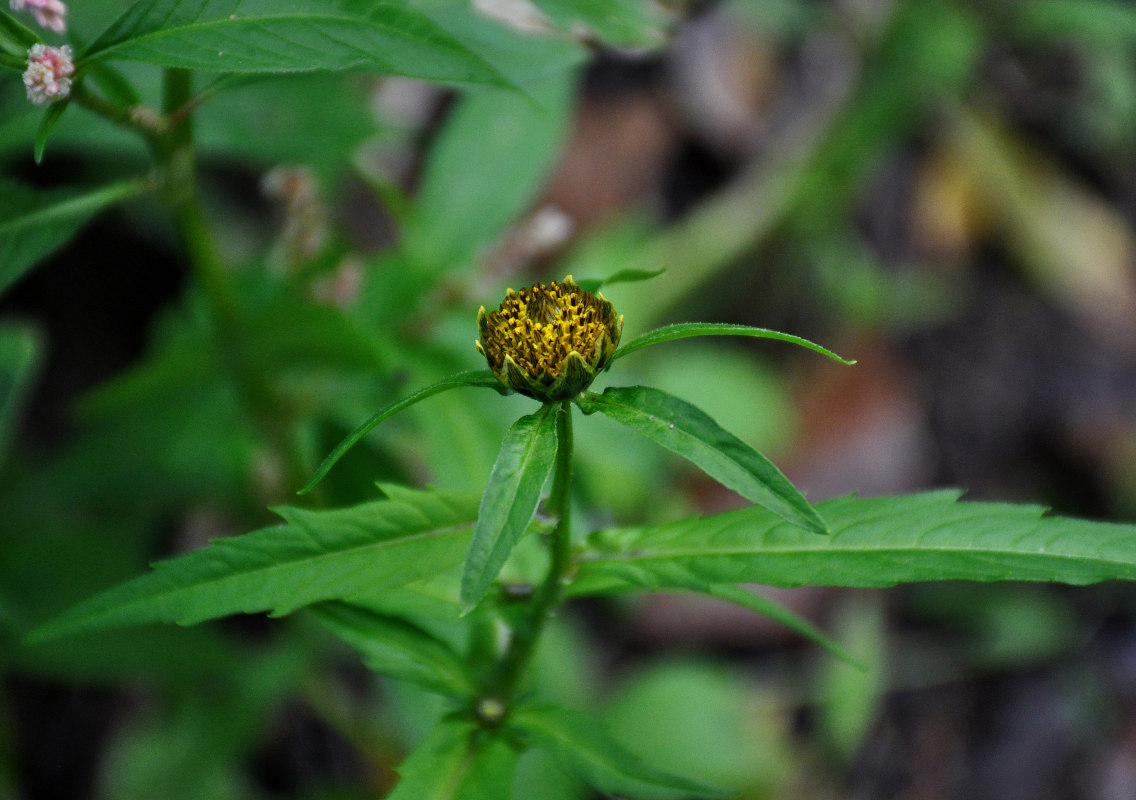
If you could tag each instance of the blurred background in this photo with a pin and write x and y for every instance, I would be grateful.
(944, 190)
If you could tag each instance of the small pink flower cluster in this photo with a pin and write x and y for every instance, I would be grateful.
(48, 13)
(48, 76)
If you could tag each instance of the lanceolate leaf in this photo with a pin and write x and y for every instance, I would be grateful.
(593, 285)
(686, 330)
(509, 503)
(483, 378)
(397, 648)
(740, 595)
(679, 426)
(20, 350)
(231, 36)
(46, 126)
(15, 37)
(311, 557)
(34, 224)
(729, 592)
(874, 542)
(581, 743)
(457, 761)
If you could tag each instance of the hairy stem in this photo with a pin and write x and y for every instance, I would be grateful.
(547, 598)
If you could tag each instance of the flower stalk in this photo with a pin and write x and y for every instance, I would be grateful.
(506, 677)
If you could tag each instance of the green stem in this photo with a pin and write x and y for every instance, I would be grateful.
(177, 163)
(525, 635)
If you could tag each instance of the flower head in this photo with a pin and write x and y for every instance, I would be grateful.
(50, 14)
(549, 341)
(48, 76)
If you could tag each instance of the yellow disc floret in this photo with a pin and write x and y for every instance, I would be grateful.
(549, 341)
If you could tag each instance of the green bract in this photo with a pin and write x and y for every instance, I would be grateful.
(549, 341)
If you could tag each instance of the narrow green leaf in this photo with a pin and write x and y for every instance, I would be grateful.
(741, 596)
(620, 23)
(729, 592)
(685, 330)
(19, 352)
(875, 542)
(509, 503)
(524, 57)
(47, 125)
(16, 37)
(1093, 20)
(397, 648)
(36, 223)
(457, 761)
(483, 378)
(313, 556)
(582, 744)
(487, 166)
(214, 36)
(690, 432)
(593, 285)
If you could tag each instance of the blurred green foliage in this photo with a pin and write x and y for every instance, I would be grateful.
(196, 435)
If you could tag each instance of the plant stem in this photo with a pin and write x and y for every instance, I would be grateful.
(177, 162)
(547, 598)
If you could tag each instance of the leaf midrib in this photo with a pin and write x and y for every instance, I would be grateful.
(196, 27)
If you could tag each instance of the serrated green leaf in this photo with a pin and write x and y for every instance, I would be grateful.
(37, 223)
(874, 542)
(313, 556)
(684, 429)
(509, 503)
(397, 648)
(582, 744)
(457, 761)
(686, 330)
(593, 285)
(229, 36)
(483, 378)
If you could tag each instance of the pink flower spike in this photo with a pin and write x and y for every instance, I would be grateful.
(48, 76)
(50, 14)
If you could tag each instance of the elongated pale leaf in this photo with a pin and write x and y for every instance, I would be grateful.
(731, 593)
(486, 167)
(593, 285)
(684, 429)
(457, 761)
(524, 57)
(582, 744)
(874, 542)
(483, 378)
(740, 595)
(686, 330)
(397, 648)
(311, 557)
(509, 503)
(621, 23)
(35, 224)
(230, 36)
